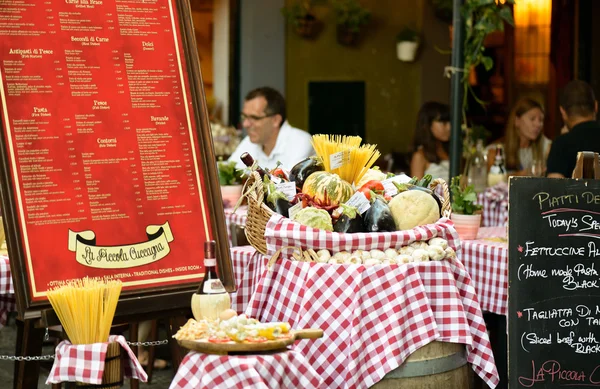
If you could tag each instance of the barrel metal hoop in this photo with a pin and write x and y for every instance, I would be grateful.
(429, 367)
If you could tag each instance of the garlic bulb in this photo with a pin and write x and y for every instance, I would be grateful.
(372, 262)
(403, 258)
(443, 243)
(406, 250)
(419, 245)
(362, 254)
(353, 260)
(377, 254)
(343, 255)
(323, 256)
(336, 260)
(450, 253)
(436, 253)
(391, 253)
(420, 255)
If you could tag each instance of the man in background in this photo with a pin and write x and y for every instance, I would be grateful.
(578, 108)
(270, 137)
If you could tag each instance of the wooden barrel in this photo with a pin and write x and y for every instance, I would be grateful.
(437, 365)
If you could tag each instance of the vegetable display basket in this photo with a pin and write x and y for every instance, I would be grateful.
(259, 214)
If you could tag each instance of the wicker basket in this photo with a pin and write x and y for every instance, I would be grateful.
(259, 214)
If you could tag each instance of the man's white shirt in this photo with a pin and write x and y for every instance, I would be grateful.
(292, 146)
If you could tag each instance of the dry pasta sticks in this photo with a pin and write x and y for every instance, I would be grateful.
(344, 155)
(86, 308)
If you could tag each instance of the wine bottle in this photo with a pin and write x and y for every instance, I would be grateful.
(211, 298)
(477, 168)
(249, 161)
(498, 170)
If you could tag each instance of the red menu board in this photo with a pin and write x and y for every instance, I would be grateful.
(101, 141)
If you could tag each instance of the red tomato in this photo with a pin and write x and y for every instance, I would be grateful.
(279, 173)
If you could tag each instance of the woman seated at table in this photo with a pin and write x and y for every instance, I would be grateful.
(431, 142)
(526, 147)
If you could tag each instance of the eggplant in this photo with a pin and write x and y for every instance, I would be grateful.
(305, 168)
(276, 199)
(350, 221)
(379, 218)
(281, 205)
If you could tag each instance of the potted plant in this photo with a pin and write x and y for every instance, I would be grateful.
(301, 18)
(231, 180)
(351, 16)
(407, 43)
(466, 215)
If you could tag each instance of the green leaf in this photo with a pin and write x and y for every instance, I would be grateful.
(506, 14)
(487, 62)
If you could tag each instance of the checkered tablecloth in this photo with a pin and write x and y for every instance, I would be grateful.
(7, 292)
(286, 370)
(248, 266)
(85, 362)
(486, 260)
(238, 217)
(495, 206)
(373, 318)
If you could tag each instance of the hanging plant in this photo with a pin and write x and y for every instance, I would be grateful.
(301, 18)
(351, 17)
(481, 18)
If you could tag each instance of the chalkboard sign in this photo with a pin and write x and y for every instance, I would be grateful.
(554, 283)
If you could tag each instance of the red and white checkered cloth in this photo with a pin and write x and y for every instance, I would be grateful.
(495, 205)
(373, 318)
(7, 292)
(281, 232)
(85, 362)
(288, 369)
(239, 217)
(248, 267)
(487, 263)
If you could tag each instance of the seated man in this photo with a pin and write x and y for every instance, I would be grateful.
(270, 137)
(578, 108)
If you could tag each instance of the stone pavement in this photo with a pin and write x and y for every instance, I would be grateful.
(161, 379)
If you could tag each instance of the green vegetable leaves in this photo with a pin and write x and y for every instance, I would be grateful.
(228, 174)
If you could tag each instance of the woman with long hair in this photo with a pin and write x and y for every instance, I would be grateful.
(431, 142)
(525, 145)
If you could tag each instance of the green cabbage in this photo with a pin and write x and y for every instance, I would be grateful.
(315, 218)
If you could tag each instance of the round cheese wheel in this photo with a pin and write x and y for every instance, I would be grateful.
(414, 208)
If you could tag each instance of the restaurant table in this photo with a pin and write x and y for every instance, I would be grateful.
(238, 217)
(486, 260)
(374, 317)
(284, 369)
(8, 302)
(248, 266)
(495, 206)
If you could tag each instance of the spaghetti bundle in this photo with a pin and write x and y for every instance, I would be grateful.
(350, 160)
(86, 308)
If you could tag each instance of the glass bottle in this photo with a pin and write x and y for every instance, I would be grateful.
(497, 172)
(211, 298)
(477, 173)
(249, 161)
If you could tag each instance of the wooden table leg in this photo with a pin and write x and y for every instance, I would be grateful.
(29, 343)
(133, 337)
(177, 352)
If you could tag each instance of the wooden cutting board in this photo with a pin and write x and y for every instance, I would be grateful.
(204, 346)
